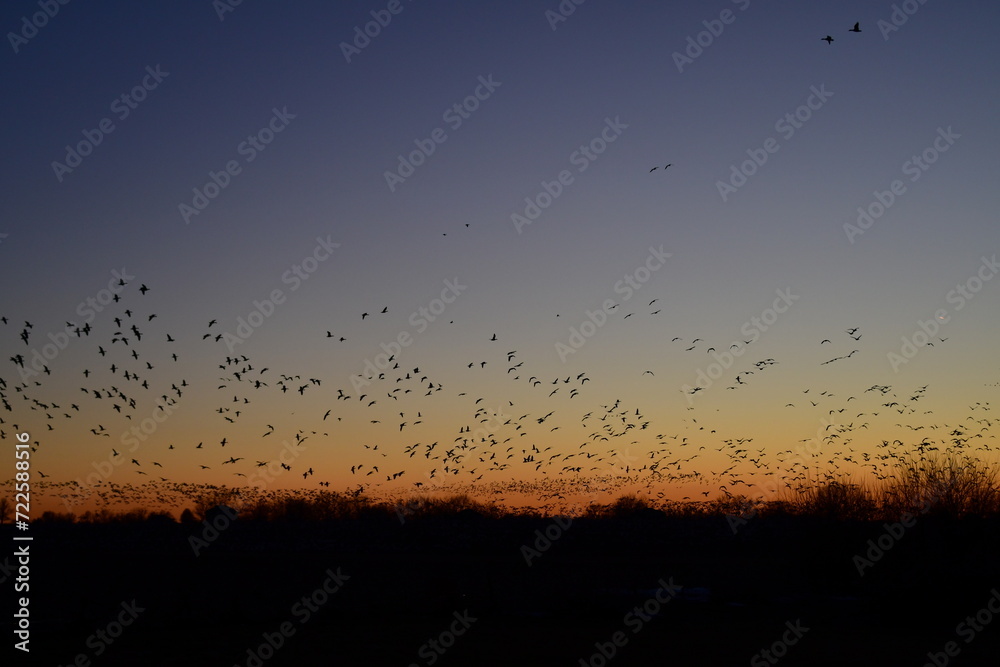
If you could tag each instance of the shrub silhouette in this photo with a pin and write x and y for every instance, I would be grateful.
(951, 485)
(836, 500)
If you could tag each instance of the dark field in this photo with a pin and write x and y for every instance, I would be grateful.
(397, 584)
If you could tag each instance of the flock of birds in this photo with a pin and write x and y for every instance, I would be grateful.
(567, 439)
(501, 445)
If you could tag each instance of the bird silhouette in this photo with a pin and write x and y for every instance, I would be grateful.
(856, 28)
(828, 39)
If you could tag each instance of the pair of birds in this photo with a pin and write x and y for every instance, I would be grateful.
(655, 168)
(364, 315)
(829, 40)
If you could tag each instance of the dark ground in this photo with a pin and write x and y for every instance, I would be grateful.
(405, 583)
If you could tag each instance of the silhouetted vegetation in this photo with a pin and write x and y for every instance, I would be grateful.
(823, 550)
(947, 486)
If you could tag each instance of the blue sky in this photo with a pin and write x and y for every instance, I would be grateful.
(890, 95)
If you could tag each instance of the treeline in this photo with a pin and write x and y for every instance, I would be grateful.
(947, 486)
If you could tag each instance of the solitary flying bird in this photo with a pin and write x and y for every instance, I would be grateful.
(827, 39)
(856, 28)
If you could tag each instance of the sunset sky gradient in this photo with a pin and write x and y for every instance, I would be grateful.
(567, 115)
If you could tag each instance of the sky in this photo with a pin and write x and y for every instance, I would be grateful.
(480, 171)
